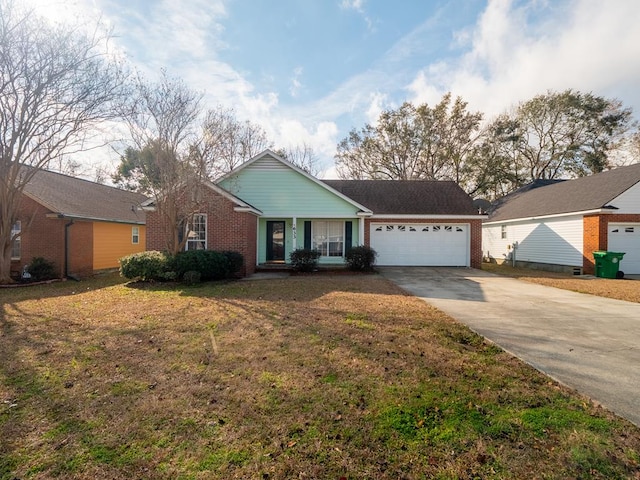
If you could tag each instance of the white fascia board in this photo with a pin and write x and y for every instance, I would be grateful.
(556, 215)
(256, 212)
(427, 217)
(305, 217)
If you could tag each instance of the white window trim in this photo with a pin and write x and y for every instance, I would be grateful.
(135, 235)
(188, 230)
(18, 223)
(313, 227)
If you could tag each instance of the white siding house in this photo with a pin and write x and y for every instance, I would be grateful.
(559, 224)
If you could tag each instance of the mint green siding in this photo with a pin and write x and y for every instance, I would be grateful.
(279, 191)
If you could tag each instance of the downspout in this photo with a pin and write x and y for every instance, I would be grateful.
(67, 247)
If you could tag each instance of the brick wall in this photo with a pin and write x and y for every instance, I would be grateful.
(595, 235)
(226, 229)
(475, 235)
(41, 236)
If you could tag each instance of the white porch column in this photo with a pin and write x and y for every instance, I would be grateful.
(361, 231)
(294, 232)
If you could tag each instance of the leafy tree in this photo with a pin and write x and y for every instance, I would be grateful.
(56, 84)
(565, 134)
(412, 142)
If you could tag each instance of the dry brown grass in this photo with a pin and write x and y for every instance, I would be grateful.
(623, 289)
(302, 377)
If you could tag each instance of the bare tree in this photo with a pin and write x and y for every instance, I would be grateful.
(227, 142)
(302, 156)
(163, 120)
(56, 84)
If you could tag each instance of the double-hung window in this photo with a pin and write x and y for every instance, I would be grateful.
(197, 232)
(328, 238)
(135, 235)
(16, 247)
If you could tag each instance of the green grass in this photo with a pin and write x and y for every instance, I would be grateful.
(306, 377)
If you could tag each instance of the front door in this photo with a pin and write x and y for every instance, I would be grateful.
(275, 241)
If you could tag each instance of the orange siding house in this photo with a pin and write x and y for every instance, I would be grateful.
(80, 226)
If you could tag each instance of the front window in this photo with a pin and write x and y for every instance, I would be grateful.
(197, 233)
(17, 242)
(135, 235)
(503, 231)
(328, 238)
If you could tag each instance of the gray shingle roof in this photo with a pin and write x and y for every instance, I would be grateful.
(77, 198)
(578, 195)
(407, 197)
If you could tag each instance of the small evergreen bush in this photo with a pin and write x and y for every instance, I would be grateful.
(152, 265)
(361, 258)
(191, 277)
(304, 259)
(236, 261)
(41, 269)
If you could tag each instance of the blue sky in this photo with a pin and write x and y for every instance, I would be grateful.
(311, 70)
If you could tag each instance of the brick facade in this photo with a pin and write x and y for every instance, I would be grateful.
(474, 225)
(595, 232)
(44, 237)
(226, 229)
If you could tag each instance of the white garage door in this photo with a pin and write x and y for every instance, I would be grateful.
(625, 237)
(413, 244)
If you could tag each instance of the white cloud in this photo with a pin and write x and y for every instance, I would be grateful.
(296, 84)
(358, 6)
(584, 44)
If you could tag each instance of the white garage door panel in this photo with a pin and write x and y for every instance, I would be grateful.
(421, 244)
(625, 237)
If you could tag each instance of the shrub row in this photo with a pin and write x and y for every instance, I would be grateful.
(191, 266)
(359, 259)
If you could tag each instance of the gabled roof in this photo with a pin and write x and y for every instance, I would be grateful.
(582, 194)
(407, 197)
(76, 198)
(274, 156)
(241, 205)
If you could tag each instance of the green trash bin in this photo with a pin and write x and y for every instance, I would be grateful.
(608, 264)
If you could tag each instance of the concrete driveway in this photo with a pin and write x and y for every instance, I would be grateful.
(589, 343)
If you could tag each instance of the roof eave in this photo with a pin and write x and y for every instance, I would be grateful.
(606, 210)
(85, 218)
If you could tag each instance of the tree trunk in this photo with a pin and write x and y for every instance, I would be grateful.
(5, 265)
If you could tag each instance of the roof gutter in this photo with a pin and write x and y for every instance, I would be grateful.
(607, 210)
(93, 219)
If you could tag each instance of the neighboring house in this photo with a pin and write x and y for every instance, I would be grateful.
(560, 225)
(81, 226)
(267, 208)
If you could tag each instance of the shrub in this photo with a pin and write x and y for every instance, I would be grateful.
(361, 258)
(41, 269)
(146, 266)
(236, 261)
(211, 265)
(191, 277)
(304, 259)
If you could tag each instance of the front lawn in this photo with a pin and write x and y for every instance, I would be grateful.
(308, 377)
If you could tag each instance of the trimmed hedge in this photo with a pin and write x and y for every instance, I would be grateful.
(361, 258)
(146, 266)
(158, 266)
(211, 265)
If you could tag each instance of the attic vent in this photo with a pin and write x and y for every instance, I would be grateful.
(268, 163)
